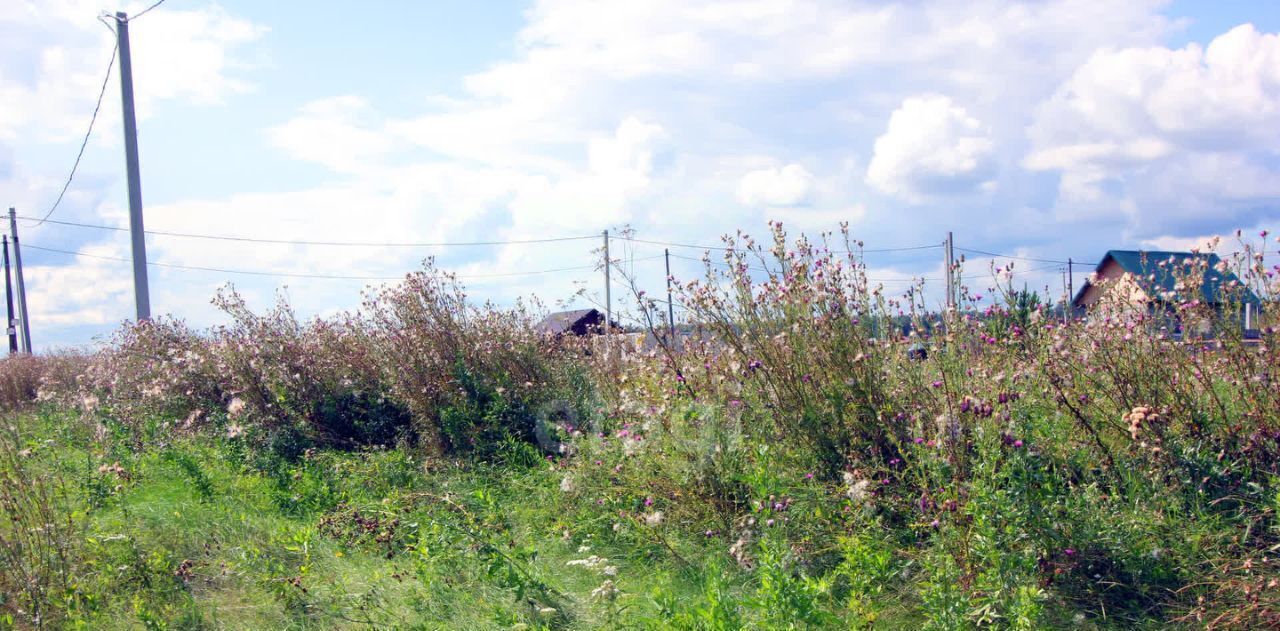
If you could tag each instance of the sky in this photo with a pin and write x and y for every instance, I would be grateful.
(1046, 130)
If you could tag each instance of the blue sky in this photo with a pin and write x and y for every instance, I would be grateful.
(1046, 129)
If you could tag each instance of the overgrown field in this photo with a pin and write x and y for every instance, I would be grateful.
(430, 463)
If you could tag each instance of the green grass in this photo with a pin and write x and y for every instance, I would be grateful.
(224, 545)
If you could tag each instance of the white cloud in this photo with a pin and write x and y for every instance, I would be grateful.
(84, 290)
(186, 54)
(51, 76)
(618, 169)
(335, 132)
(931, 147)
(790, 185)
(1188, 130)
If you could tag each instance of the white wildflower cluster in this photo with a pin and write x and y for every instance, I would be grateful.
(592, 562)
(654, 519)
(566, 484)
(858, 491)
(631, 446)
(606, 591)
(741, 551)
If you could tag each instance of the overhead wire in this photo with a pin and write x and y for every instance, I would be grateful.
(1009, 256)
(243, 239)
(146, 10)
(694, 246)
(299, 275)
(765, 271)
(85, 142)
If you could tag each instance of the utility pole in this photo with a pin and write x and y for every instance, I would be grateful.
(1066, 304)
(23, 319)
(1071, 283)
(8, 296)
(671, 313)
(608, 299)
(951, 275)
(141, 292)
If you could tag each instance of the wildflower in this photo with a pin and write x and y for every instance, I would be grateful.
(234, 431)
(937, 384)
(609, 570)
(606, 591)
(741, 551)
(1140, 417)
(591, 563)
(857, 492)
(236, 407)
(653, 519)
(567, 485)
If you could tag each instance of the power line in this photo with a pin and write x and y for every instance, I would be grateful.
(84, 143)
(213, 237)
(1007, 256)
(297, 275)
(721, 247)
(765, 271)
(146, 10)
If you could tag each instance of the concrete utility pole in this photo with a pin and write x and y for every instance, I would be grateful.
(951, 275)
(23, 320)
(671, 313)
(141, 292)
(608, 298)
(8, 297)
(1071, 281)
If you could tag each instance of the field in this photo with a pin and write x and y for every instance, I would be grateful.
(432, 463)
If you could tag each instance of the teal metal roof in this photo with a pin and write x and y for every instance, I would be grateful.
(1156, 280)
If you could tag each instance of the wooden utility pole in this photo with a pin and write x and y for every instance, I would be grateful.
(141, 291)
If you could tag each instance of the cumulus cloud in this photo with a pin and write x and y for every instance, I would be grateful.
(50, 77)
(1191, 130)
(336, 132)
(932, 146)
(790, 185)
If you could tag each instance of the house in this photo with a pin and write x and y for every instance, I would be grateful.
(1155, 281)
(578, 322)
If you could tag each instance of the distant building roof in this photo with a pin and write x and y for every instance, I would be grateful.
(1157, 280)
(575, 322)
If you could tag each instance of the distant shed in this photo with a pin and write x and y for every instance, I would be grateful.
(578, 322)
